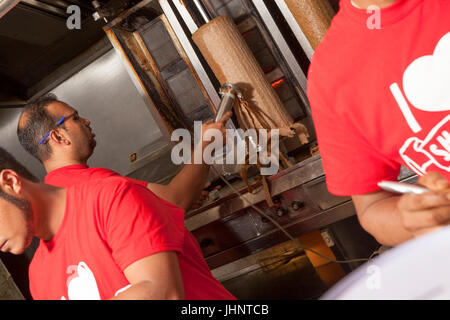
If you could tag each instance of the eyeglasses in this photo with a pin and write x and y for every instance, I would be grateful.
(57, 124)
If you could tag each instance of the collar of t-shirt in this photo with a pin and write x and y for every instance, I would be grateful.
(55, 172)
(388, 15)
(74, 166)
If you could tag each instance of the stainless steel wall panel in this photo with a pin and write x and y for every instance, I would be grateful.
(160, 45)
(187, 93)
(182, 86)
(234, 8)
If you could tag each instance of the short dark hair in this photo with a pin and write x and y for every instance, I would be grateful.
(7, 161)
(37, 124)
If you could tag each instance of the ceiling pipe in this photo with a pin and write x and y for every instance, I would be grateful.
(6, 5)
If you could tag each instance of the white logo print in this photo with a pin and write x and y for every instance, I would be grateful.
(426, 83)
(81, 285)
(434, 150)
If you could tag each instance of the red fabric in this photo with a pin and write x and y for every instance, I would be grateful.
(363, 135)
(108, 225)
(74, 174)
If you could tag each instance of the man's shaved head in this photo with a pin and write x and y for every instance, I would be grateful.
(34, 123)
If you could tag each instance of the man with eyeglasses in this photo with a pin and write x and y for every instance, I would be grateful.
(55, 134)
(103, 239)
(143, 230)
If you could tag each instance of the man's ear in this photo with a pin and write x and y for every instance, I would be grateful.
(59, 137)
(10, 182)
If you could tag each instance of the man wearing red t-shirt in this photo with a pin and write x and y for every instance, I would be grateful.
(55, 134)
(119, 242)
(379, 88)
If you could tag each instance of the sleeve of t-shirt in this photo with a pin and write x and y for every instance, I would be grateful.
(351, 165)
(136, 225)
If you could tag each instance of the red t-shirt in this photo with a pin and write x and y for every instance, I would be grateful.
(380, 98)
(74, 174)
(109, 224)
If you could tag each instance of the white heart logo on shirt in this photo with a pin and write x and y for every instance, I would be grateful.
(426, 81)
(82, 285)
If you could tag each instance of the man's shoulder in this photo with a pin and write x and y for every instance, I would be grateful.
(112, 184)
(75, 174)
(106, 195)
(101, 172)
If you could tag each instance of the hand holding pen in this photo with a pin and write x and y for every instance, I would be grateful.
(425, 206)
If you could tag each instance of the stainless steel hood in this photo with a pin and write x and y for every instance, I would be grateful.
(35, 41)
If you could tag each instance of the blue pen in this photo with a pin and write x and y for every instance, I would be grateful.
(57, 124)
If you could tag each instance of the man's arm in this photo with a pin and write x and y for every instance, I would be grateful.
(156, 277)
(393, 219)
(186, 187)
(144, 237)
